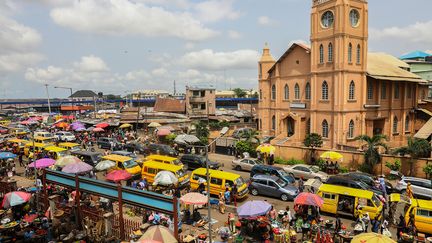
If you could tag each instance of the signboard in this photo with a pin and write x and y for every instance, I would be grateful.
(298, 105)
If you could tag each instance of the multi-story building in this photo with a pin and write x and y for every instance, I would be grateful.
(420, 63)
(334, 87)
(200, 101)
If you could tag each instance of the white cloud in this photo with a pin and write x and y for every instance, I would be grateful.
(159, 72)
(189, 46)
(184, 4)
(41, 75)
(18, 44)
(210, 60)
(91, 64)
(419, 32)
(265, 20)
(234, 34)
(138, 75)
(119, 17)
(215, 10)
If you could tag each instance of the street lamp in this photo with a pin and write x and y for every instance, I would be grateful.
(221, 134)
(71, 92)
(49, 104)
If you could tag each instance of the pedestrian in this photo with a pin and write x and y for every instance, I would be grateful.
(338, 224)
(289, 214)
(271, 159)
(401, 227)
(375, 224)
(301, 184)
(201, 188)
(384, 226)
(272, 214)
(221, 203)
(227, 195)
(231, 220)
(365, 219)
(20, 159)
(234, 192)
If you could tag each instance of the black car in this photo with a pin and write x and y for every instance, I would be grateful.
(134, 147)
(194, 161)
(368, 179)
(91, 158)
(272, 171)
(161, 149)
(108, 143)
(346, 181)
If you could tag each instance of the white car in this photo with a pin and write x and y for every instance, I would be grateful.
(43, 134)
(306, 172)
(65, 136)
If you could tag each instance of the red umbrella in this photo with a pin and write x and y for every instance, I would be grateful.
(163, 132)
(98, 129)
(102, 125)
(118, 175)
(307, 198)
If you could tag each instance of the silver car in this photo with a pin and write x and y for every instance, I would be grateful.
(272, 186)
(306, 172)
(245, 164)
(420, 187)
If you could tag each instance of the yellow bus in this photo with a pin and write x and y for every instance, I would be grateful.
(124, 163)
(151, 168)
(70, 146)
(56, 152)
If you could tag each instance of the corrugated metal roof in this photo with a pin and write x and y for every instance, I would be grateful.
(425, 131)
(416, 54)
(386, 67)
(426, 111)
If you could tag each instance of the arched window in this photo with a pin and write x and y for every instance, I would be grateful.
(325, 129)
(297, 91)
(395, 125)
(350, 53)
(286, 92)
(273, 92)
(407, 124)
(369, 91)
(260, 94)
(383, 91)
(273, 123)
(308, 126)
(321, 52)
(351, 129)
(324, 91)
(351, 93)
(330, 52)
(358, 54)
(308, 91)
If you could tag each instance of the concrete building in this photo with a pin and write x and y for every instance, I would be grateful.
(200, 101)
(420, 63)
(334, 87)
(83, 95)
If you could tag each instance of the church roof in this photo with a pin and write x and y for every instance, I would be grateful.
(386, 67)
(287, 52)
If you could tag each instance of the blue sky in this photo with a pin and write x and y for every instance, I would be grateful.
(116, 46)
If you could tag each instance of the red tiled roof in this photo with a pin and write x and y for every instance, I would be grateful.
(170, 105)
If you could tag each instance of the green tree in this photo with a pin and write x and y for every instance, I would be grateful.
(239, 93)
(245, 146)
(371, 154)
(416, 148)
(255, 95)
(251, 136)
(202, 131)
(313, 141)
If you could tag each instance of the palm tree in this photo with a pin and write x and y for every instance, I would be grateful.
(313, 141)
(416, 148)
(371, 154)
(251, 136)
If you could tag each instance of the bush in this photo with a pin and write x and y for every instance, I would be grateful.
(395, 166)
(291, 161)
(365, 168)
(428, 170)
(245, 146)
(343, 170)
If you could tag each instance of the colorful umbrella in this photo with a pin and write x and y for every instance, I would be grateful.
(126, 125)
(77, 168)
(253, 209)
(266, 148)
(105, 165)
(159, 233)
(163, 132)
(102, 125)
(165, 178)
(193, 198)
(7, 155)
(331, 155)
(118, 175)
(67, 160)
(42, 163)
(61, 125)
(154, 124)
(98, 129)
(307, 198)
(371, 238)
(15, 198)
(80, 129)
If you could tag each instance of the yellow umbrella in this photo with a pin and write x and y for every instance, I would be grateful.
(331, 155)
(371, 238)
(126, 125)
(266, 148)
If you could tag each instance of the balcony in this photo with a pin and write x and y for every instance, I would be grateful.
(197, 99)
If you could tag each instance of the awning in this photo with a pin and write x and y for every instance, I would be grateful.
(425, 131)
(426, 111)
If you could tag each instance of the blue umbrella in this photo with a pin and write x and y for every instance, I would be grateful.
(253, 209)
(7, 155)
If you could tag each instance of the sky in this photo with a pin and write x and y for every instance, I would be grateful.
(119, 46)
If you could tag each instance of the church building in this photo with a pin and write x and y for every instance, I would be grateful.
(334, 87)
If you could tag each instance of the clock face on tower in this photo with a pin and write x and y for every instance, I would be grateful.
(327, 19)
(354, 18)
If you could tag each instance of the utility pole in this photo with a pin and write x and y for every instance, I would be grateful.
(175, 91)
(138, 112)
(49, 104)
